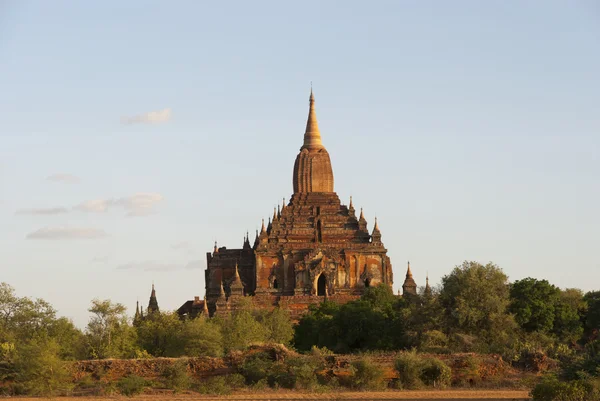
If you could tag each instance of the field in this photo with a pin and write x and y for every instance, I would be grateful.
(471, 395)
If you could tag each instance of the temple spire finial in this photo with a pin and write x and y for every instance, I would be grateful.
(408, 272)
(312, 135)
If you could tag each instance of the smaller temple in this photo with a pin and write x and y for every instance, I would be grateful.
(153, 303)
(410, 286)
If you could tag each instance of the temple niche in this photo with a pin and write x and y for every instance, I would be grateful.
(313, 246)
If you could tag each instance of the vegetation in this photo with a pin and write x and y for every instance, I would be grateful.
(531, 323)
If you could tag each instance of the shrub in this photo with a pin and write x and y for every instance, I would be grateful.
(216, 385)
(176, 376)
(436, 373)
(236, 381)
(552, 389)
(131, 385)
(409, 367)
(365, 375)
(298, 373)
(256, 367)
(467, 371)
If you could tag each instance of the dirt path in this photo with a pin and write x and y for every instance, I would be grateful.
(470, 395)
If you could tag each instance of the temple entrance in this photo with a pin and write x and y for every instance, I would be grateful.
(321, 285)
(275, 284)
(367, 283)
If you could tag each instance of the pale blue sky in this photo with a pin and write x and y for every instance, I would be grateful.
(470, 128)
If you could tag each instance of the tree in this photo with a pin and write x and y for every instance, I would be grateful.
(592, 315)
(159, 334)
(568, 316)
(475, 300)
(108, 333)
(533, 303)
(277, 324)
(202, 337)
(40, 368)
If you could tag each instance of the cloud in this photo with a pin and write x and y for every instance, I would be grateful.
(183, 246)
(43, 211)
(149, 266)
(194, 264)
(66, 178)
(61, 233)
(153, 117)
(100, 259)
(140, 204)
(154, 266)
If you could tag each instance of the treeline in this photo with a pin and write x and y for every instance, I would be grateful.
(474, 309)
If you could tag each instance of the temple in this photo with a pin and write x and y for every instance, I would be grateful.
(312, 247)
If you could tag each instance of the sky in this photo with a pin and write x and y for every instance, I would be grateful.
(135, 134)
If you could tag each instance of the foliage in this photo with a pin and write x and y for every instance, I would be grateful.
(475, 300)
(434, 372)
(159, 334)
(553, 389)
(216, 385)
(365, 375)
(409, 366)
(592, 317)
(176, 376)
(40, 369)
(539, 306)
(109, 334)
(256, 367)
(131, 385)
(201, 337)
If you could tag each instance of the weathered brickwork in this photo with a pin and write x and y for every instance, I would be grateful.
(312, 247)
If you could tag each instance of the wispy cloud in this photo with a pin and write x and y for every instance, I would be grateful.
(64, 233)
(140, 204)
(152, 117)
(194, 264)
(149, 266)
(66, 178)
(183, 246)
(43, 211)
(154, 266)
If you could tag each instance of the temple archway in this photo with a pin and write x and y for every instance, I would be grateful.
(321, 285)
(275, 284)
(367, 283)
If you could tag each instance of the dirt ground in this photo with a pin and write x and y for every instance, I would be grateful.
(471, 395)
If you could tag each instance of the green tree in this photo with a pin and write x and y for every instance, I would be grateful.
(278, 325)
(568, 317)
(202, 337)
(533, 303)
(475, 300)
(317, 327)
(108, 333)
(40, 368)
(592, 315)
(159, 334)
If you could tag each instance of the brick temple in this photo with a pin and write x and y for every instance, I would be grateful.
(313, 247)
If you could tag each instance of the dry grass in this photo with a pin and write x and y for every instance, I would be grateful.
(471, 395)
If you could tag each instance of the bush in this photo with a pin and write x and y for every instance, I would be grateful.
(131, 385)
(436, 373)
(298, 373)
(176, 376)
(552, 389)
(256, 368)
(365, 375)
(467, 371)
(409, 366)
(216, 385)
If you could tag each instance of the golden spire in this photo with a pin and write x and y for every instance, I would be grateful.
(362, 216)
(215, 249)
(376, 228)
(274, 213)
(408, 272)
(312, 136)
(263, 229)
(205, 307)
(351, 205)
